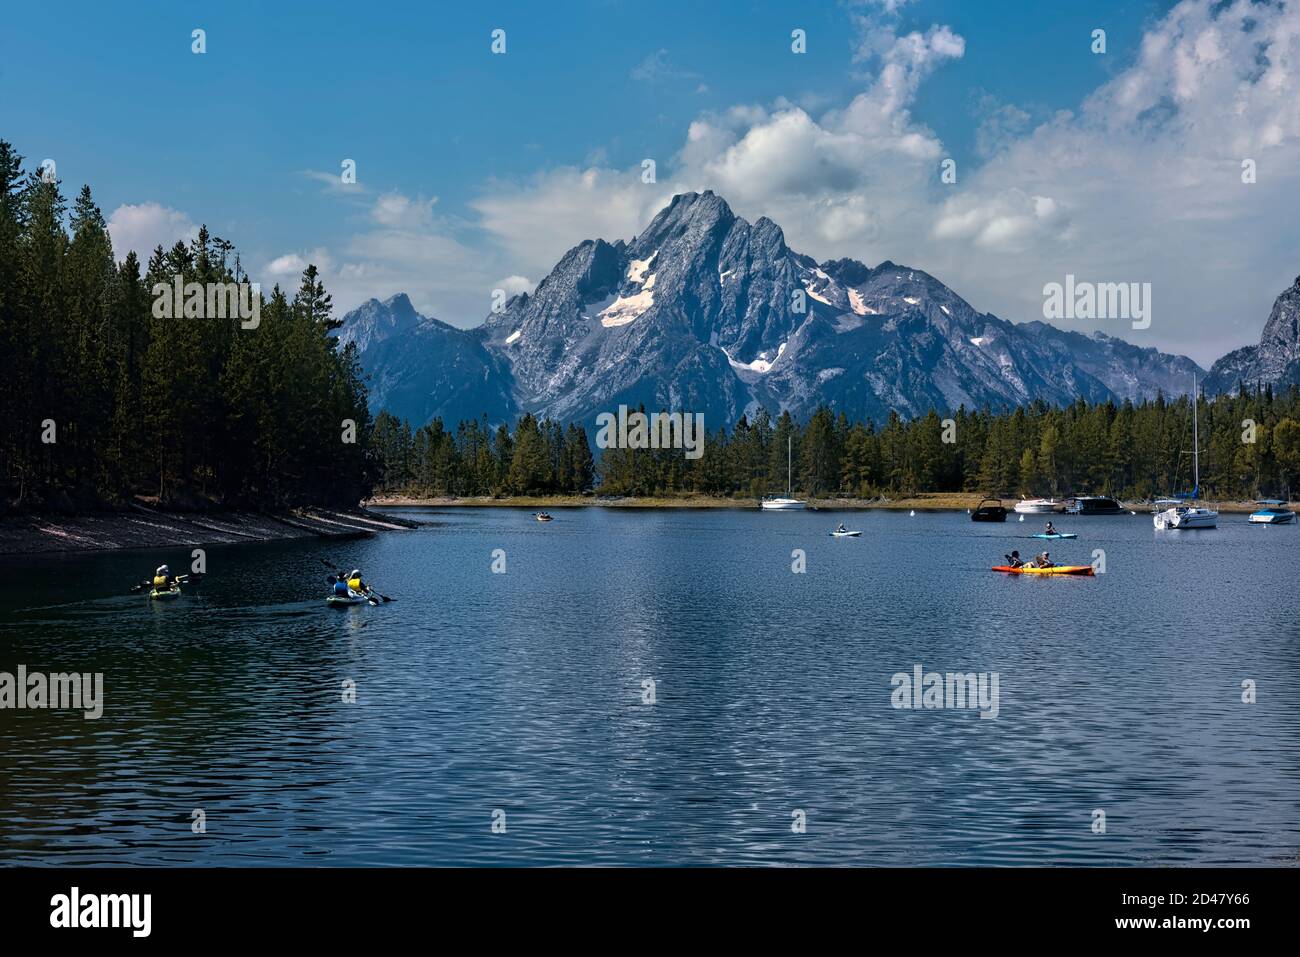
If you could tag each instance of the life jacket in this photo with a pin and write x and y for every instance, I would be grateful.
(355, 584)
(341, 589)
(159, 581)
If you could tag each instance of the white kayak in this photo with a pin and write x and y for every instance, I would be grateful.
(845, 534)
(341, 601)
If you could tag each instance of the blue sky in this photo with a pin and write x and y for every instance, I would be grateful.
(476, 171)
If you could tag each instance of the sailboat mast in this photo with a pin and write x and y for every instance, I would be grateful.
(789, 465)
(1196, 444)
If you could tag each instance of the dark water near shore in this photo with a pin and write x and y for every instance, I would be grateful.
(522, 692)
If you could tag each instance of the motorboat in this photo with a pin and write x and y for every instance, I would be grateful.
(1039, 506)
(1274, 512)
(997, 512)
(1094, 505)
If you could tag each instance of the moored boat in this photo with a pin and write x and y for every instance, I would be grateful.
(789, 503)
(984, 512)
(1183, 514)
(1038, 506)
(1274, 512)
(1094, 505)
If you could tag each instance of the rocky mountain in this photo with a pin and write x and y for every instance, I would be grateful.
(706, 312)
(1275, 361)
(421, 369)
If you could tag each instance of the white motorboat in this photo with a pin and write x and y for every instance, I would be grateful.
(789, 503)
(1039, 506)
(1185, 514)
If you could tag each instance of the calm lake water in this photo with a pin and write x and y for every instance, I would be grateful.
(522, 693)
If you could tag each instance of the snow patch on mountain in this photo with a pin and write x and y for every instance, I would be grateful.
(636, 269)
(627, 309)
(761, 365)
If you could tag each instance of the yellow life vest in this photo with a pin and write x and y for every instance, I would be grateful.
(354, 584)
(159, 581)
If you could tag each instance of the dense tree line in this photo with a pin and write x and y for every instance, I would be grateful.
(539, 457)
(1250, 448)
(107, 401)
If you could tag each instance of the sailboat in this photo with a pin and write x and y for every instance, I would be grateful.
(789, 503)
(1184, 514)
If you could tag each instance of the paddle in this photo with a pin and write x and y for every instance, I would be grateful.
(188, 579)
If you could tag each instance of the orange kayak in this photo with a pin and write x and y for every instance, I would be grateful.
(1054, 570)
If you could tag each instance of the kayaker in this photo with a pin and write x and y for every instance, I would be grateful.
(841, 528)
(1014, 559)
(341, 588)
(1043, 561)
(162, 578)
(1050, 529)
(356, 584)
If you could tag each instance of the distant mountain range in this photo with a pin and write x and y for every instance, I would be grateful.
(705, 312)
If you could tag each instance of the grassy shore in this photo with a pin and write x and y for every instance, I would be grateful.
(921, 501)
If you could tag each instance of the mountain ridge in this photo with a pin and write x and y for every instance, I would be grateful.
(704, 311)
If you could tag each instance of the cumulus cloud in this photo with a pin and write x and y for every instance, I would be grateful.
(145, 226)
(1141, 182)
(404, 247)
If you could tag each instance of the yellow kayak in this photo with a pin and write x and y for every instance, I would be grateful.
(1053, 570)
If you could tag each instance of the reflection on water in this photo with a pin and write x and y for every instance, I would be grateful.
(523, 693)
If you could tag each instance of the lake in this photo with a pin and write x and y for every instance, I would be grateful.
(506, 717)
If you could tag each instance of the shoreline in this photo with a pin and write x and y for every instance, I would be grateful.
(921, 501)
(43, 533)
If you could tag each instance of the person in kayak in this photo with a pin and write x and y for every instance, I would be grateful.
(341, 589)
(356, 583)
(1044, 561)
(1050, 530)
(163, 578)
(841, 528)
(1014, 559)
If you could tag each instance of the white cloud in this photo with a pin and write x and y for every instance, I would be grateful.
(1141, 183)
(144, 226)
(405, 248)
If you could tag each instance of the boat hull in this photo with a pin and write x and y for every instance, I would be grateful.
(1185, 518)
(1038, 507)
(1086, 570)
(783, 505)
(1271, 517)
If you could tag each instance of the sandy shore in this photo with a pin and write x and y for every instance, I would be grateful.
(141, 527)
(946, 501)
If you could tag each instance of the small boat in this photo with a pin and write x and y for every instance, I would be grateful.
(543, 517)
(989, 513)
(789, 503)
(173, 592)
(345, 601)
(1273, 513)
(1038, 506)
(845, 534)
(1180, 514)
(1094, 505)
(1057, 535)
(1052, 570)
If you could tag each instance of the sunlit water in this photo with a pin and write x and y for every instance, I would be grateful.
(522, 693)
